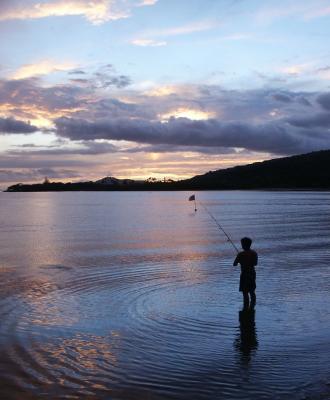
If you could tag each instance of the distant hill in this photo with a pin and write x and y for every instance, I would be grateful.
(310, 170)
(306, 171)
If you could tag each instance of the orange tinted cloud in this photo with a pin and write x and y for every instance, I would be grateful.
(43, 67)
(96, 12)
(192, 114)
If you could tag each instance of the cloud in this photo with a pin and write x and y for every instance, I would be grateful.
(30, 175)
(282, 97)
(43, 67)
(271, 137)
(205, 118)
(31, 168)
(148, 43)
(302, 100)
(290, 98)
(11, 125)
(16, 161)
(166, 148)
(197, 26)
(320, 120)
(58, 173)
(81, 148)
(324, 101)
(105, 80)
(92, 98)
(147, 38)
(77, 72)
(296, 69)
(29, 100)
(233, 37)
(96, 12)
(29, 91)
(189, 113)
(147, 2)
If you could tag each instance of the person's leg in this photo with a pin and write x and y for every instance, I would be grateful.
(246, 299)
(253, 298)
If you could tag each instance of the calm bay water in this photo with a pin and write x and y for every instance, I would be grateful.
(133, 296)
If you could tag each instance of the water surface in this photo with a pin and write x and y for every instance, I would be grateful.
(133, 296)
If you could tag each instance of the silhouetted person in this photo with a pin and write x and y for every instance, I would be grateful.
(248, 259)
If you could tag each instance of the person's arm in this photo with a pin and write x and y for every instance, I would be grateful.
(236, 260)
(256, 259)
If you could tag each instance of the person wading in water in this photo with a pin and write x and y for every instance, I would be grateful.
(248, 259)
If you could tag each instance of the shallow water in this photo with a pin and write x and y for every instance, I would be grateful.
(133, 296)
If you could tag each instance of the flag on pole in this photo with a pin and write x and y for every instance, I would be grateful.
(192, 198)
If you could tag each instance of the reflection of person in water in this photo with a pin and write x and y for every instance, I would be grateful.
(248, 259)
(247, 341)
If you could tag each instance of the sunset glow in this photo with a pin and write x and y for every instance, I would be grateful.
(137, 88)
(194, 115)
(41, 68)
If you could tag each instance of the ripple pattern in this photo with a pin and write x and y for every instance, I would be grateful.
(96, 310)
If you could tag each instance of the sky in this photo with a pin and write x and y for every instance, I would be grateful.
(159, 88)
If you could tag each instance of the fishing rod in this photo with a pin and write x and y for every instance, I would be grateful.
(192, 198)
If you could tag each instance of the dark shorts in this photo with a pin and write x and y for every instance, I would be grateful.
(247, 282)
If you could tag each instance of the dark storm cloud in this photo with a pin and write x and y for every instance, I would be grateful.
(272, 137)
(319, 120)
(288, 97)
(11, 125)
(302, 100)
(282, 97)
(324, 101)
(245, 105)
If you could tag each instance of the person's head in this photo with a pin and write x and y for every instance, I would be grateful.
(246, 243)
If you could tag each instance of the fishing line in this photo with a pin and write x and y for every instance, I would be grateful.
(219, 226)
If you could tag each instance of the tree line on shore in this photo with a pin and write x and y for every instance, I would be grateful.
(306, 171)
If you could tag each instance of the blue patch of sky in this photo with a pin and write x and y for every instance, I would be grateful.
(187, 57)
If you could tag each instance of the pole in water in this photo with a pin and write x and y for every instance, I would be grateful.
(193, 198)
